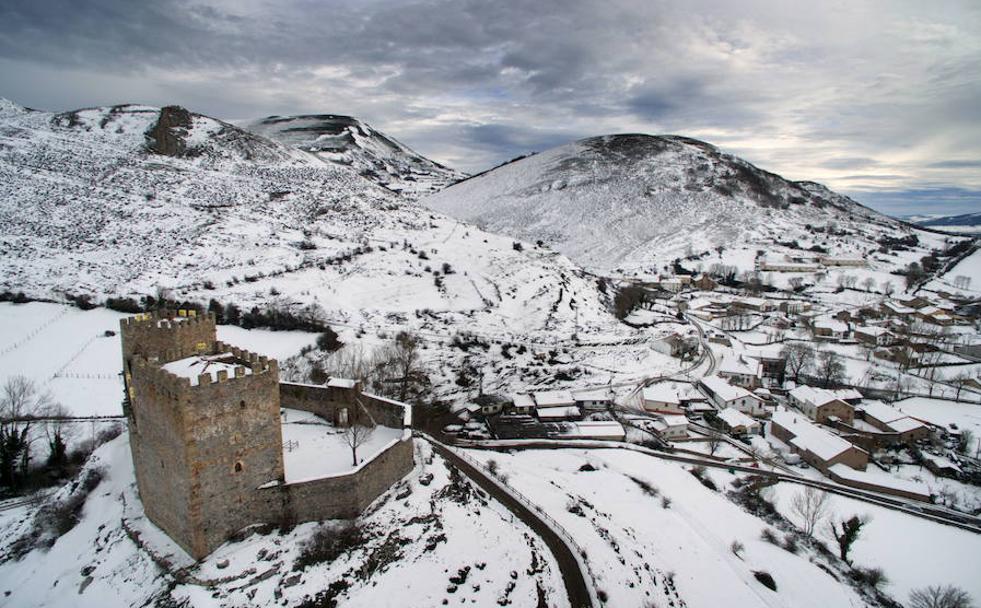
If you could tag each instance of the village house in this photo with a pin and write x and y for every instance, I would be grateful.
(848, 395)
(704, 283)
(522, 403)
(671, 426)
(831, 329)
(772, 361)
(597, 430)
(661, 397)
(890, 420)
(737, 423)
(752, 305)
(820, 404)
(675, 345)
(593, 400)
(817, 447)
(892, 308)
(794, 307)
(874, 335)
(741, 371)
(724, 395)
(556, 405)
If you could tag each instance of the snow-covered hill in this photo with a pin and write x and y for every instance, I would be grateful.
(635, 202)
(347, 141)
(86, 207)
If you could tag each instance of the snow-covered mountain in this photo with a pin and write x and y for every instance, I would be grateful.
(635, 202)
(132, 200)
(347, 141)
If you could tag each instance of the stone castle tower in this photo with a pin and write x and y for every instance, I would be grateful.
(204, 424)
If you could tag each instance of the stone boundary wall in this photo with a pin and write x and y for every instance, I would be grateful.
(877, 488)
(340, 496)
(326, 402)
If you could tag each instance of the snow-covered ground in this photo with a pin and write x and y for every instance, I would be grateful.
(413, 546)
(640, 551)
(913, 552)
(314, 448)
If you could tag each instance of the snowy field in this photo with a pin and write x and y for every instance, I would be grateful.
(66, 350)
(913, 552)
(314, 448)
(643, 553)
(413, 546)
(969, 267)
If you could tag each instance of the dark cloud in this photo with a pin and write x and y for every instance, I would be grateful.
(802, 90)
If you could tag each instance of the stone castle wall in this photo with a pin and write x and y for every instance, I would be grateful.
(326, 402)
(208, 457)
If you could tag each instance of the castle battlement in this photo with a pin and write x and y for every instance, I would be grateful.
(167, 319)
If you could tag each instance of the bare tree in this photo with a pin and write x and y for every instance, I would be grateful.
(830, 369)
(403, 360)
(868, 283)
(714, 442)
(355, 436)
(812, 506)
(21, 403)
(848, 534)
(888, 288)
(939, 596)
(799, 357)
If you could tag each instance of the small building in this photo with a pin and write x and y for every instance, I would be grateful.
(786, 264)
(874, 335)
(675, 345)
(820, 404)
(704, 283)
(817, 447)
(662, 397)
(724, 395)
(752, 305)
(890, 420)
(602, 430)
(849, 395)
(830, 328)
(671, 426)
(741, 371)
(556, 405)
(892, 308)
(737, 423)
(522, 403)
(597, 399)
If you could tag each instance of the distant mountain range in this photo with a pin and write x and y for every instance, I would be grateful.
(967, 223)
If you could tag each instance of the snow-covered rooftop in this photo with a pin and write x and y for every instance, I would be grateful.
(570, 411)
(554, 398)
(663, 393)
(813, 395)
(734, 418)
(737, 365)
(810, 437)
(192, 367)
(882, 412)
(595, 394)
(523, 400)
(726, 391)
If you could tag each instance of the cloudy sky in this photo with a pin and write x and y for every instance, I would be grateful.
(880, 100)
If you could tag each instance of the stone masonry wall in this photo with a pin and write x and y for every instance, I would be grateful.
(159, 333)
(326, 402)
(344, 496)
